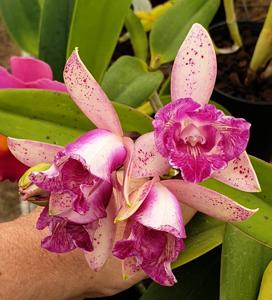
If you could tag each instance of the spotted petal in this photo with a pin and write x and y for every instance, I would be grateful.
(147, 161)
(194, 69)
(208, 201)
(239, 174)
(32, 153)
(89, 96)
(103, 240)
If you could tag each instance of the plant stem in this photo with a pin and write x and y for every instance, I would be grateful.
(155, 102)
(231, 22)
(263, 50)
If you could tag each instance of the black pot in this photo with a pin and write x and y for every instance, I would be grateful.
(259, 114)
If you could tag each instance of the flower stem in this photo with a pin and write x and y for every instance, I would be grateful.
(155, 102)
(231, 22)
(263, 50)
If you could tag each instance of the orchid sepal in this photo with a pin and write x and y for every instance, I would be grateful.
(208, 201)
(89, 96)
(194, 69)
(32, 153)
(239, 174)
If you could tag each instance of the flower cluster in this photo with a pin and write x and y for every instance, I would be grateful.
(104, 177)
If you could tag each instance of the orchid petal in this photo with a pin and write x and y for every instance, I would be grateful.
(32, 153)
(103, 239)
(130, 267)
(187, 213)
(29, 69)
(8, 81)
(46, 84)
(136, 199)
(128, 168)
(194, 69)
(161, 211)
(102, 151)
(147, 160)
(61, 204)
(239, 174)
(208, 201)
(89, 96)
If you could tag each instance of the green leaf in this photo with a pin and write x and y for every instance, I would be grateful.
(260, 224)
(54, 30)
(54, 118)
(22, 19)
(197, 280)
(170, 30)
(137, 35)
(203, 234)
(95, 29)
(243, 263)
(128, 81)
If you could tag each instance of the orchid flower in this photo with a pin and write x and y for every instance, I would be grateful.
(29, 73)
(196, 137)
(156, 209)
(79, 180)
(154, 235)
(26, 72)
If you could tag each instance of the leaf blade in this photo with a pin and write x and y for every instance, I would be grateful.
(95, 29)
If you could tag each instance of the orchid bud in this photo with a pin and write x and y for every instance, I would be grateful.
(29, 191)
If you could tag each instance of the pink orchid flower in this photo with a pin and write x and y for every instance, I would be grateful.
(160, 209)
(80, 178)
(26, 72)
(29, 73)
(194, 136)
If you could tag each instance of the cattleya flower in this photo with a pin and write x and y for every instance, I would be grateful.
(154, 235)
(79, 180)
(29, 73)
(26, 72)
(82, 210)
(194, 136)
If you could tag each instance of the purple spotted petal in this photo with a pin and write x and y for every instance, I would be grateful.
(208, 201)
(156, 235)
(197, 140)
(239, 174)
(96, 201)
(64, 236)
(103, 239)
(89, 96)
(147, 161)
(194, 69)
(32, 153)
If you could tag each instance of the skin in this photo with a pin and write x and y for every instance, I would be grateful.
(29, 272)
